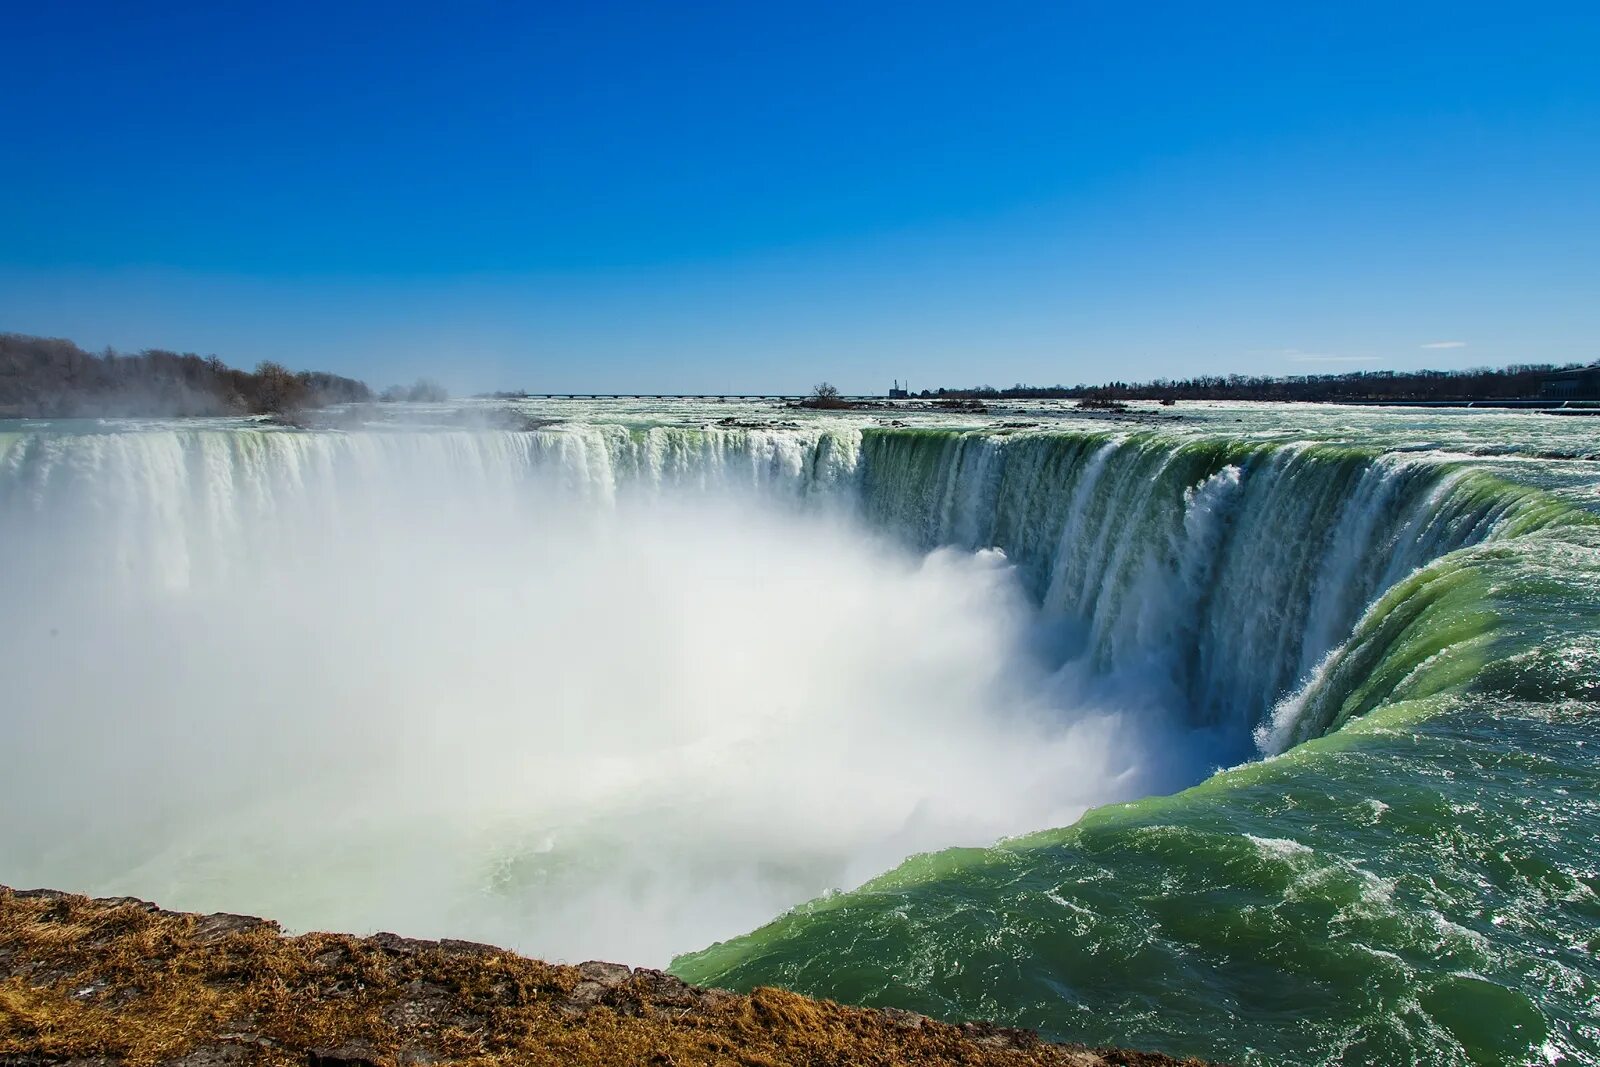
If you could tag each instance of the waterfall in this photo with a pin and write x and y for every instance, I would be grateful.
(176, 506)
(620, 691)
(1229, 570)
(1413, 640)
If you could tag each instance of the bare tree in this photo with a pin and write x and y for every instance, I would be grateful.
(825, 395)
(278, 389)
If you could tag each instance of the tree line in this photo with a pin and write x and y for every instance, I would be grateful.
(51, 377)
(1519, 381)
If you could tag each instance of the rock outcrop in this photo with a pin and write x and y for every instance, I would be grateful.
(97, 983)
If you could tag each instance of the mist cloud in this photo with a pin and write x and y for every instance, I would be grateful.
(375, 695)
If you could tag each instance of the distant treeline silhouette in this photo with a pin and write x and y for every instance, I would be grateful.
(1521, 381)
(50, 377)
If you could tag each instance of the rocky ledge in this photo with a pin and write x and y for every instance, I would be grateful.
(94, 983)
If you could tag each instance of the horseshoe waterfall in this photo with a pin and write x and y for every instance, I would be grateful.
(1263, 741)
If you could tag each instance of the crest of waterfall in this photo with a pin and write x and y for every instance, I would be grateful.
(1228, 570)
(177, 505)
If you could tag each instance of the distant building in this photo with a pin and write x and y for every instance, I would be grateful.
(897, 393)
(1580, 383)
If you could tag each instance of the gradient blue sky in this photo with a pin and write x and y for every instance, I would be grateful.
(759, 195)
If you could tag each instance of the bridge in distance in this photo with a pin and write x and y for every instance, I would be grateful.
(671, 396)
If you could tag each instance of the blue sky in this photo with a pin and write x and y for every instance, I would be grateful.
(760, 195)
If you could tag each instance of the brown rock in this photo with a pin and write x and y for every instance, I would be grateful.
(107, 983)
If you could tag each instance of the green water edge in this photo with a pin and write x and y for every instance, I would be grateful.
(1419, 886)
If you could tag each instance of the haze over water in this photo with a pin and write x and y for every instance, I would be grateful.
(640, 680)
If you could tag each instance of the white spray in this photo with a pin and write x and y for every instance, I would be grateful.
(583, 695)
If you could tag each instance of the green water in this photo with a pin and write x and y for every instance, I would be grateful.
(1412, 880)
(1403, 892)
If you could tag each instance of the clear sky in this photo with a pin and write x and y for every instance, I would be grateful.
(708, 196)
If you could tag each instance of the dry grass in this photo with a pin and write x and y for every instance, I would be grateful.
(121, 980)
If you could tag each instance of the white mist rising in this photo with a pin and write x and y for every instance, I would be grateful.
(374, 698)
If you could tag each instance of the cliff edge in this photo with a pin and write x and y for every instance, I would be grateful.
(95, 983)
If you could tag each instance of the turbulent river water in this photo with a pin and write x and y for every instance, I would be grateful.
(1254, 732)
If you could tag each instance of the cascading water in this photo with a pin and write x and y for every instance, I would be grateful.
(1227, 568)
(623, 691)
